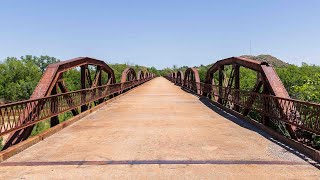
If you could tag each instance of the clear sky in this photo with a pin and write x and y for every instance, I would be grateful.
(161, 33)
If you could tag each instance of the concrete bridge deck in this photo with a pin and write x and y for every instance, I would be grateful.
(157, 131)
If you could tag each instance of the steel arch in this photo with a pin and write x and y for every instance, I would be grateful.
(192, 79)
(140, 75)
(49, 83)
(179, 77)
(128, 75)
(267, 79)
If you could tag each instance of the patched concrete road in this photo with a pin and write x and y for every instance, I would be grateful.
(157, 131)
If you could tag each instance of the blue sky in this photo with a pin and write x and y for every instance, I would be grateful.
(161, 33)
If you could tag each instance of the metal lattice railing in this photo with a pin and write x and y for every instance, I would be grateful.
(18, 115)
(301, 114)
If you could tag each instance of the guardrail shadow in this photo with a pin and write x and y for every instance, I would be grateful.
(252, 127)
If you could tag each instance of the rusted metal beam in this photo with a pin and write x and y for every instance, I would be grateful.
(221, 80)
(83, 86)
(43, 111)
(252, 98)
(237, 86)
(308, 121)
(128, 75)
(45, 86)
(140, 75)
(270, 77)
(192, 79)
(265, 119)
(244, 62)
(180, 77)
(54, 108)
(88, 76)
(69, 99)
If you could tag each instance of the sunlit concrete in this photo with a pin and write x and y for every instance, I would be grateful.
(157, 131)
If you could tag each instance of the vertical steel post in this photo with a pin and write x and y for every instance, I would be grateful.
(237, 86)
(265, 119)
(221, 80)
(54, 107)
(83, 86)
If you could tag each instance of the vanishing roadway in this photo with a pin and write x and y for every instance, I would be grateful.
(157, 131)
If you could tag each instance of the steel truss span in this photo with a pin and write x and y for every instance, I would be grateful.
(268, 102)
(52, 98)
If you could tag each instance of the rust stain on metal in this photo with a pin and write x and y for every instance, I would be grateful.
(46, 102)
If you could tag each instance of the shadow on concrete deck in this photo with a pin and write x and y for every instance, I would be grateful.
(252, 127)
(148, 162)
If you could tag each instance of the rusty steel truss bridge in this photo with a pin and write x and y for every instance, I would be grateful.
(267, 105)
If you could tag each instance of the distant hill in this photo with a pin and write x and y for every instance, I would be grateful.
(268, 58)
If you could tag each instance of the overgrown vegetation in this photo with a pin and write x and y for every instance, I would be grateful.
(19, 77)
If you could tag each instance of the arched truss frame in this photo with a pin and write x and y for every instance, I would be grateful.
(146, 74)
(52, 81)
(140, 75)
(179, 77)
(174, 76)
(192, 79)
(128, 75)
(267, 81)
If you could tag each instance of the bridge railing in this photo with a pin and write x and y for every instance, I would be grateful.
(301, 114)
(18, 115)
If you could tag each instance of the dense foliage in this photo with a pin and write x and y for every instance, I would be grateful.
(301, 82)
(19, 76)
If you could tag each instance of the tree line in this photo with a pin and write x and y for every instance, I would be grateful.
(19, 76)
(302, 82)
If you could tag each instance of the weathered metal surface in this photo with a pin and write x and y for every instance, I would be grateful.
(244, 62)
(128, 75)
(264, 68)
(266, 75)
(274, 82)
(51, 75)
(191, 79)
(146, 74)
(180, 77)
(140, 75)
(11, 114)
(272, 103)
(302, 114)
(47, 86)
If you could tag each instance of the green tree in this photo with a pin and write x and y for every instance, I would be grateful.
(1, 143)
(42, 62)
(301, 82)
(19, 78)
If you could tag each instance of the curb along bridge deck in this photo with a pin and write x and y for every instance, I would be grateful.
(155, 130)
